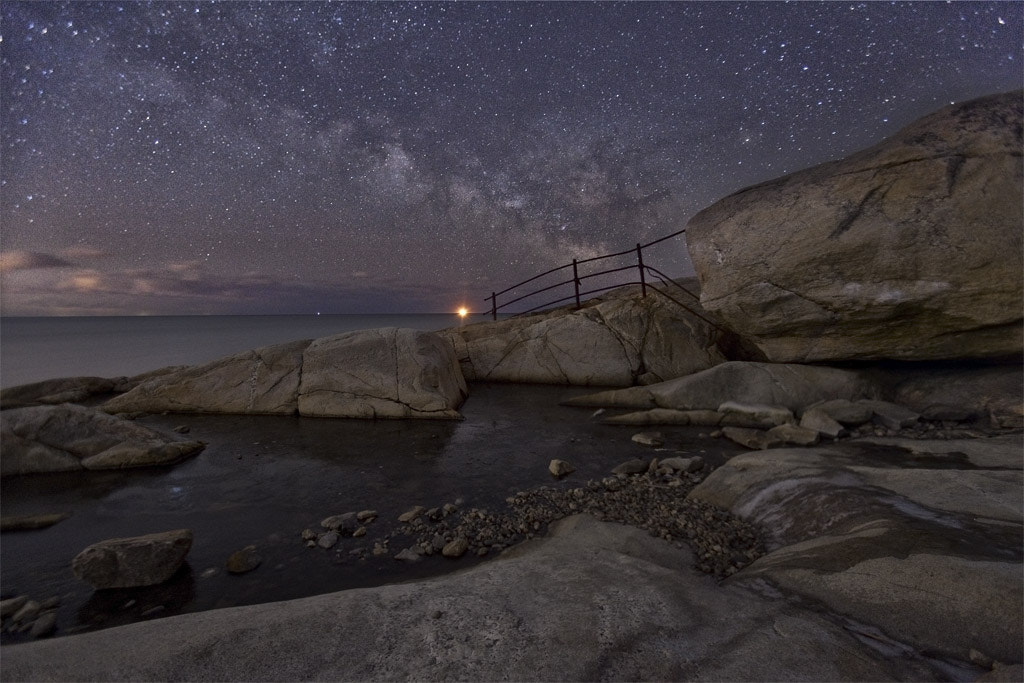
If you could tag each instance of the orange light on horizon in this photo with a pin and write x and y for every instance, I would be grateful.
(463, 312)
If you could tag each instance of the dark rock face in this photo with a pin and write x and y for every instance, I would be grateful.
(908, 250)
(69, 437)
(137, 561)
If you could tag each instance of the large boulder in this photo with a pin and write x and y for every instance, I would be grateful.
(69, 437)
(620, 339)
(596, 601)
(909, 250)
(920, 538)
(261, 381)
(132, 562)
(788, 386)
(389, 373)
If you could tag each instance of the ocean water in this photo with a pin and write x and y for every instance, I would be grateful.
(35, 349)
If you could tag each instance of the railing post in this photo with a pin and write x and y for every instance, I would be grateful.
(576, 283)
(640, 263)
(494, 306)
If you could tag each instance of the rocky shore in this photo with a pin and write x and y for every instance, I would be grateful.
(867, 352)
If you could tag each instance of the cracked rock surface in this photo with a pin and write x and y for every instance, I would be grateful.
(619, 339)
(377, 373)
(908, 250)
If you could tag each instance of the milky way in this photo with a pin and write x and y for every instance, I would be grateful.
(283, 157)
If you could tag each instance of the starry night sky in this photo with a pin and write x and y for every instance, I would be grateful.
(294, 157)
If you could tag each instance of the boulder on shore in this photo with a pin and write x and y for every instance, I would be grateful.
(56, 391)
(130, 562)
(619, 339)
(379, 373)
(909, 250)
(69, 437)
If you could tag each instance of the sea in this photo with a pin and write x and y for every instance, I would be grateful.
(33, 349)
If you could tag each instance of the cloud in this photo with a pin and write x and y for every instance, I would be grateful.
(28, 260)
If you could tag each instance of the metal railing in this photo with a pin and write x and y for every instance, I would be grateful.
(577, 281)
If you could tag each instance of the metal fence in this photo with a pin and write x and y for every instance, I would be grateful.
(647, 276)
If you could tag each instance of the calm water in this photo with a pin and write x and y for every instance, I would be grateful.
(34, 349)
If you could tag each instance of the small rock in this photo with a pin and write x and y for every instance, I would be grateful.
(652, 466)
(308, 535)
(634, 466)
(50, 603)
(456, 548)
(44, 625)
(717, 434)
(818, 420)
(360, 532)
(890, 415)
(790, 433)
(328, 540)
(28, 611)
(31, 522)
(693, 464)
(560, 468)
(244, 560)
(343, 524)
(436, 614)
(757, 413)
(653, 439)
(131, 562)
(209, 572)
(751, 438)
(12, 605)
(481, 552)
(379, 550)
(952, 413)
(845, 412)
(980, 658)
(407, 555)
(153, 610)
(449, 509)
(366, 516)
(412, 514)
(182, 429)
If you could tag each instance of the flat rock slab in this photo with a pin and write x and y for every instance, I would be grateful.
(593, 601)
(56, 391)
(920, 538)
(69, 437)
(789, 386)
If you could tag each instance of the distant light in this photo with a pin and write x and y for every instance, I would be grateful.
(463, 312)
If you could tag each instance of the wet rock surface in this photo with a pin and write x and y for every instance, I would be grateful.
(131, 562)
(921, 538)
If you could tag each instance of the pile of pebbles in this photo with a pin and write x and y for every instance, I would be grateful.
(642, 493)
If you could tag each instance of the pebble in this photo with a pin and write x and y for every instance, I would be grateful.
(360, 532)
(153, 610)
(653, 439)
(44, 625)
(308, 535)
(456, 548)
(209, 573)
(366, 516)
(560, 468)
(412, 514)
(328, 540)
(28, 612)
(244, 560)
(634, 466)
(182, 429)
(12, 605)
(407, 555)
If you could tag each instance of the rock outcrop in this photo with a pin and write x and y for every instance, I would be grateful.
(619, 339)
(132, 562)
(787, 386)
(920, 538)
(56, 391)
(389, 373)
(909, 250)
(386, 373)
(263, 381)
(594, 601)
(69, 437)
